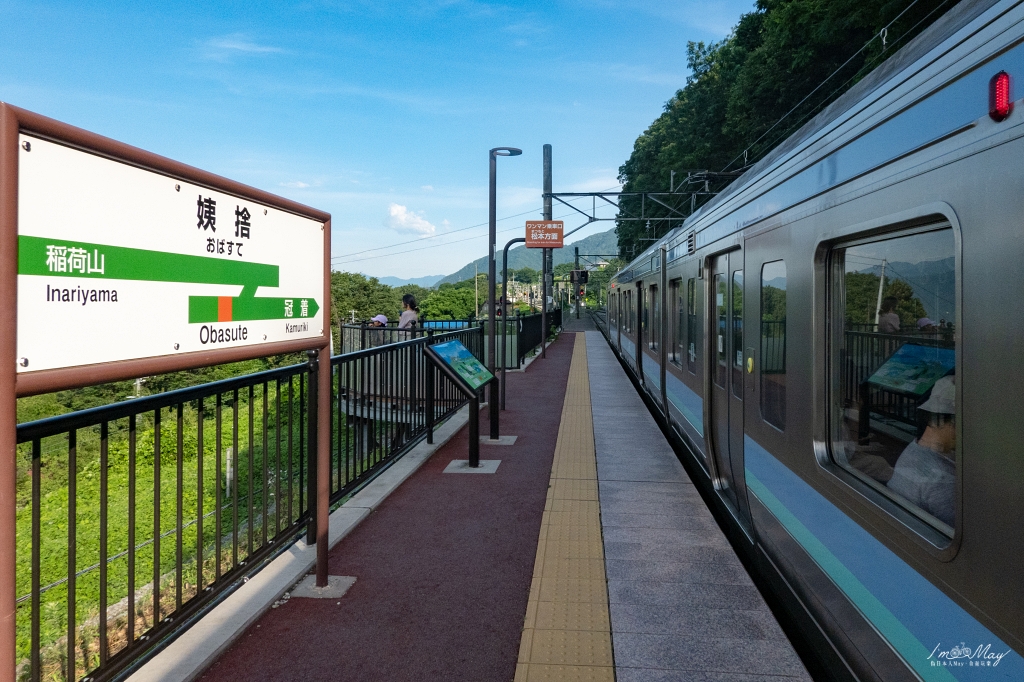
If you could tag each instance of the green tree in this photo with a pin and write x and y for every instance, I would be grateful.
(449, 302)
(525, 275)
(747, 91)
(365, 295)
(862, 299)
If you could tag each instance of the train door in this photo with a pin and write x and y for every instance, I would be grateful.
(726, 364)
(638, 324)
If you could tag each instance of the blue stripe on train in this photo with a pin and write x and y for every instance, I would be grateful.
(628, 347)
(686, 401)
(917, 618)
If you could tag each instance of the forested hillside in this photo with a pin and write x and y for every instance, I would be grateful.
(740, 90)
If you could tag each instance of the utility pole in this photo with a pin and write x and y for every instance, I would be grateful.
(545, 268)
(577, 291)
(878, 305)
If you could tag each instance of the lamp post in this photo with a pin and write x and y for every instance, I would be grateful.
(492, 401)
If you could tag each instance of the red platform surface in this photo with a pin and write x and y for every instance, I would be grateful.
(443, 567)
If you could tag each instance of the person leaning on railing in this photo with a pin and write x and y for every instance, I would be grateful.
(410, 315)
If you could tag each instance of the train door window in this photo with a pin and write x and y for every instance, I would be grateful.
(773, 343)
(676, 320)
(737, 333)
(627, 318)
(894, 416)
(654, 302)
(722, 313)
(691, 325)
(644, 313)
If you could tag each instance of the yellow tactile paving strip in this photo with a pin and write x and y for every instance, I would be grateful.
(567, 633)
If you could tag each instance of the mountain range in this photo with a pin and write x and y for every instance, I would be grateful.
(605, 244)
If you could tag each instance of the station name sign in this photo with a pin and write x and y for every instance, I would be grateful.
(118, 263)
(544, 234)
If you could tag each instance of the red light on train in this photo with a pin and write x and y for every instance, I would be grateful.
(999, 103)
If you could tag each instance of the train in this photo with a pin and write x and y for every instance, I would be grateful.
(836, 343)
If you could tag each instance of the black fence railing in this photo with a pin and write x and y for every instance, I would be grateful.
(380, 406)
(863, 354)
(357, 336)
(135, 517)
(773, 346)
(522, 334)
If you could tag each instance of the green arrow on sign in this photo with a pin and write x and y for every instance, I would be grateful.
(61, 258)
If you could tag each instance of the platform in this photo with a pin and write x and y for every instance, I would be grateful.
(587, 555)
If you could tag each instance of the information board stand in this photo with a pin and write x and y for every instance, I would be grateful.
(469, 376)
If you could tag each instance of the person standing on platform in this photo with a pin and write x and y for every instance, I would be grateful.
(410, 314)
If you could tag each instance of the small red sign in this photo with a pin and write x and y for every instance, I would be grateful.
(544, 234)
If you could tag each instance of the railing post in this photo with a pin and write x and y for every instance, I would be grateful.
(312, 412)
(430, 391)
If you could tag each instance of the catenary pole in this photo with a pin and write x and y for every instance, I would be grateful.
(545, 256)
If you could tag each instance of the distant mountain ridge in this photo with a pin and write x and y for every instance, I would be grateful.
(604, 243)
(426, 281)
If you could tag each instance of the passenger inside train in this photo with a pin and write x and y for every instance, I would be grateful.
(897, 425)
(925, 473)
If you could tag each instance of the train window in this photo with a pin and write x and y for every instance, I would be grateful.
(645, 311)
(737, 334)
(691, 325)
(654, 337)
(722, 311)
(629, 316)
(894, 415)
(675, 321)
(773, 343)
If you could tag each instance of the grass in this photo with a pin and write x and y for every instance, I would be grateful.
(138, 486)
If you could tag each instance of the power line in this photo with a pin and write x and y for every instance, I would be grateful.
(867, 67)
(445, 234)
(435, 246)
(433, 236)
(880, 34)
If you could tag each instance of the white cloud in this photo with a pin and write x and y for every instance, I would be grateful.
(401, 219)
(295, 184)
(221, 49)
(427, 188)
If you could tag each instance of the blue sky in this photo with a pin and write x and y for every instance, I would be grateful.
(379, 112)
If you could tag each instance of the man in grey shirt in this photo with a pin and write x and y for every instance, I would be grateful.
(925, 473)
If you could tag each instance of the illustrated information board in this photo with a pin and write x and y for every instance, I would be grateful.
(117, 263)
(914, 369)
(464, 363)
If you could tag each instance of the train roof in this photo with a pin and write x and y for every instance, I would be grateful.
(810, 140)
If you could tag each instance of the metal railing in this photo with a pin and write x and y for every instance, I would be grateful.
(362, 335)
(522, 334)
(134, 518)
(863, 354)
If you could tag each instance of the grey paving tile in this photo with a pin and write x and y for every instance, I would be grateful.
(693, 595)
(692, 621)
(718, 572)
(633, 489)
(652, 472)
(668, 537)
(670, 652)
(689, 505)
(676, 521)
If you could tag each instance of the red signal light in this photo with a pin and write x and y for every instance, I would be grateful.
(999, 103)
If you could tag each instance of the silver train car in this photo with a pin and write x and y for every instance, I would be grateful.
(837, 343)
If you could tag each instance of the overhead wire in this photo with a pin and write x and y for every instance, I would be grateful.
(865, 68)
(346, 259)
(884, 30)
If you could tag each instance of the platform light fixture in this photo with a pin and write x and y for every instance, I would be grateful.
(491, 274)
